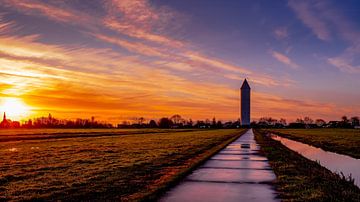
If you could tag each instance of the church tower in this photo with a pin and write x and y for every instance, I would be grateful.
(245, 103)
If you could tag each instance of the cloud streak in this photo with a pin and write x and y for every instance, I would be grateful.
(284, 59)
(321, 17)
(309, 16)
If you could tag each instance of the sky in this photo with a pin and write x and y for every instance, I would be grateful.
(121, 59)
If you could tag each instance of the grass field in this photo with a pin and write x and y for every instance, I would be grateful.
(41, 134)
(342, 141)
(126, 167)
(300, 179)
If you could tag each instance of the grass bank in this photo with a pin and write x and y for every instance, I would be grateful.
(126, 167)
(299, 179)
(342, 141)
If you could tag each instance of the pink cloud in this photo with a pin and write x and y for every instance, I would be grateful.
(284, 59)
(344, 65)
(133, 46)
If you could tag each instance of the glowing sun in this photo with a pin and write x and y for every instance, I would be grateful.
(15, 108)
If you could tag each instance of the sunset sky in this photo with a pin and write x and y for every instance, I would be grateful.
(119, 59)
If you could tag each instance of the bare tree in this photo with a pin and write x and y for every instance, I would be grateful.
(190, 122)
(320, 122)
(141, 120)
(308, 120)
(213, 122)
(176, 119)
(282, 121)
(299, 120)
(267, 120)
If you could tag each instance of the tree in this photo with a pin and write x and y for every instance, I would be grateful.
(176, 119)
(152, 124)
(308, 120)
(320, 122)
(355, 121)
(165, 123)
(262, 121)
(282, 121)
(191, 123)
(213, 124)
(125, 123)
(299, 120)
(219, 124)
(141, 120)
(345, 122)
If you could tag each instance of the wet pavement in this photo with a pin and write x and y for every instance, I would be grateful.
(236, 173)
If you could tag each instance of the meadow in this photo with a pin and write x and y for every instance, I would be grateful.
(101, 165)
(40, 134)
(342, 141)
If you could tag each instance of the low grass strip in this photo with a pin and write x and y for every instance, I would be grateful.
(300, 179)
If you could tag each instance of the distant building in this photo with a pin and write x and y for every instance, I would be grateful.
(5, 123)
(245, 104)
(333, 124)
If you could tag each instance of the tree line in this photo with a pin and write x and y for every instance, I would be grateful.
(177, 121)
(307, 122)
(51, 122)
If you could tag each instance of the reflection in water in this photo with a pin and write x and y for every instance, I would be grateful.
(332, 161)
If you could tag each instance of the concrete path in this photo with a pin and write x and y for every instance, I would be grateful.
(236, 173)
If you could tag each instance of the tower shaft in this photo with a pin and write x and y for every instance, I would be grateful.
(245, 104)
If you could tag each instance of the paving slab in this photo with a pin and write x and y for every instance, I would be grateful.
(232, 175)
(236, 173)
(231, 157)
(253, 146)
(220, 192)
(239, 152)
(246, 164)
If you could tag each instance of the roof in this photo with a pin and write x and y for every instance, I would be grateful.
(245, 85)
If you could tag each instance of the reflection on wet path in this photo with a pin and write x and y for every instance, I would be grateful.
(236, 173)
(332, 161)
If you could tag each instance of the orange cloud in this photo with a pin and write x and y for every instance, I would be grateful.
(48, 10)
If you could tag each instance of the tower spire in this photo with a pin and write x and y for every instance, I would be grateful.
(245, 85)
